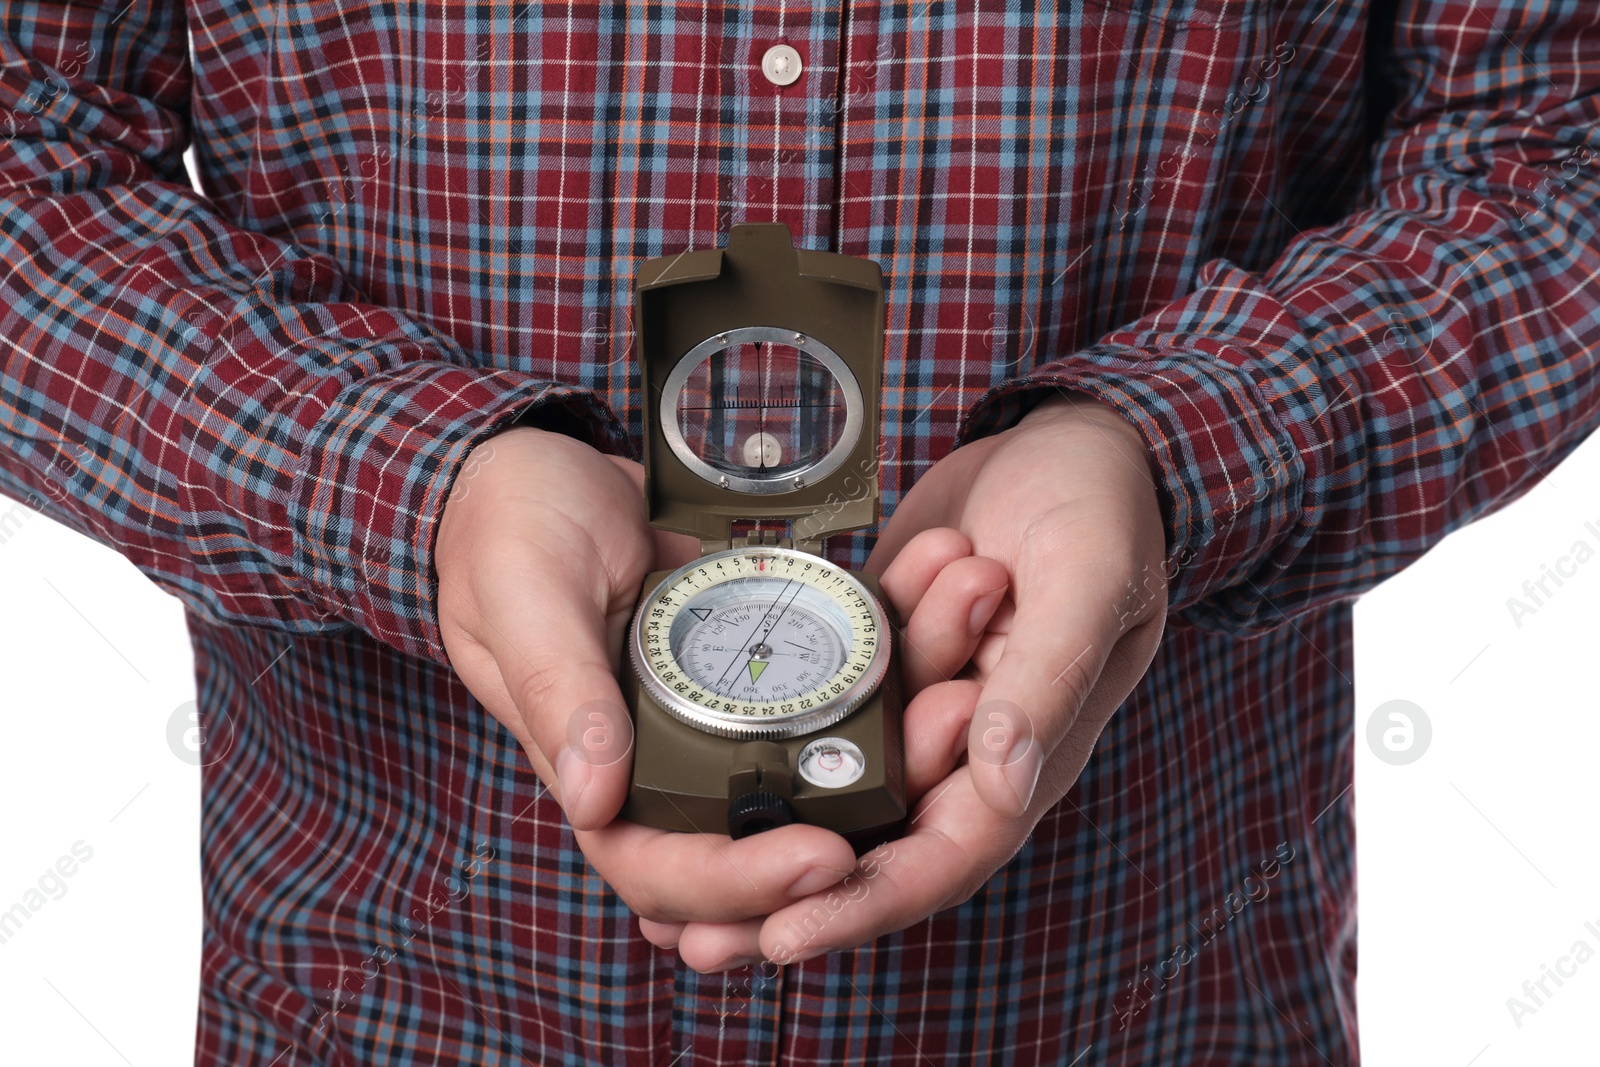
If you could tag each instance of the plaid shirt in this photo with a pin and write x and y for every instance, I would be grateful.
(1337, 260)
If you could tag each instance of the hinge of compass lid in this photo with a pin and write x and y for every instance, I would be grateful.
(768, 538)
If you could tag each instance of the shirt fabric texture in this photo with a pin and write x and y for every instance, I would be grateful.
(1338, 261)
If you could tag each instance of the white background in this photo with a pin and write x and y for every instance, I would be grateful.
(1476, 862)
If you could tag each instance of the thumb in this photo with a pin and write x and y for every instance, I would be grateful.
(1083, 634)
(552, 644)
(1061, 636)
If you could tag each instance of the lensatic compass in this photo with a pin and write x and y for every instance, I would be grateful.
(761, 679)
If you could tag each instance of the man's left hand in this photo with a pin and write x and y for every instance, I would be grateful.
(999, 723)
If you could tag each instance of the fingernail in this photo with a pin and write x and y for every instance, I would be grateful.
(574, 774)
(817, 879)
(983, 610)
(1022, 767)
(733, 963)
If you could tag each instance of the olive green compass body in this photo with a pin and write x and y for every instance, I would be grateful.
(761, 677)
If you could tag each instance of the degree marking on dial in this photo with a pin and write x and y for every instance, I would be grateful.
(824, 578)
(764, 615)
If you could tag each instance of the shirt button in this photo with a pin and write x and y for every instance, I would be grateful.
(781, 64)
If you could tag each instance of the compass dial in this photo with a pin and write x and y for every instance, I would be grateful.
(760, 642)
(754, 640)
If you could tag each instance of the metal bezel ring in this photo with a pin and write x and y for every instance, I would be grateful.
(786, 482)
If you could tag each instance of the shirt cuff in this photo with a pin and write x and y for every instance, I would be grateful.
(376, 469)
(1230, 478)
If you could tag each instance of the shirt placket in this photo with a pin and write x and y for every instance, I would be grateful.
(783, 99)
(780, 81)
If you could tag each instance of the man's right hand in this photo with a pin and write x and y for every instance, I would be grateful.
(540, 554)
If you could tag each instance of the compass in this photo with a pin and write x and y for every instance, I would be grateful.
(761, 676)
(761, 642)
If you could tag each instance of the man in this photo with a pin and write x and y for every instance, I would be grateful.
(1234, 309)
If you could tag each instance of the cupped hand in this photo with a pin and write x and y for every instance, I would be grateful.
(1001, 723)
(540, 554)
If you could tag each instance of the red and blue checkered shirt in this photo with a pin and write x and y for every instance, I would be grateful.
(1337, 260)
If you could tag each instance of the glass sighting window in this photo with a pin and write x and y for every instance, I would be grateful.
(761, 410)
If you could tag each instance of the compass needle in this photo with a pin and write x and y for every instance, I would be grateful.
(770, 598)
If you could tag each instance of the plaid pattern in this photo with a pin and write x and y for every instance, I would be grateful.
(1337, 260)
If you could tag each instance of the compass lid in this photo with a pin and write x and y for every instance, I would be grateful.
(761, 366)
